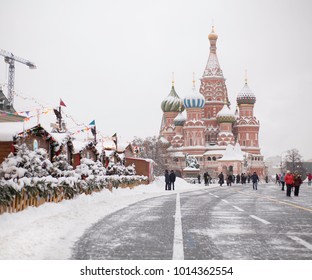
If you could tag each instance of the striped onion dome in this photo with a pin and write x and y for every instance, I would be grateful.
(225, 115)
(179, 120)
(172, 103)
(194, 100)
(246, 96)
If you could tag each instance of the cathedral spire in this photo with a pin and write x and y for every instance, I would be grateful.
(213, 67)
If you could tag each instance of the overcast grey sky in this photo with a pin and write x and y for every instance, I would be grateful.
(112, 60)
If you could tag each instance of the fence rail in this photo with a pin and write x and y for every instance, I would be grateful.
(21, 202)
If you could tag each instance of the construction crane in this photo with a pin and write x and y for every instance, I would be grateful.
(10, 58)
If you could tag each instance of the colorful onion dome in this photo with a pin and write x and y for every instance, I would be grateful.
(179, 120)
(194, 99)
(213, 35)
(246, 96)
(225, 115)
(172, 102)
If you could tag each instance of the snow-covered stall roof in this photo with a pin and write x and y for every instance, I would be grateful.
(9, 129)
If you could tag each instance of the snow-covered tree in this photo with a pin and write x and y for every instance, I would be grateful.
(154, 148)
(89, 167)
(26, 163)
(61, 167)
(119, 169)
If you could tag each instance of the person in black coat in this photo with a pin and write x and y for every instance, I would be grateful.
(221, 179)
(206, 178)
(167, 180)
(172, 178)
(255, 179)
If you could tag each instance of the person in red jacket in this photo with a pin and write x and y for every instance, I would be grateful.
(289, 181)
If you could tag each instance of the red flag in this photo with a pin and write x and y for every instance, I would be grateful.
(62, 103)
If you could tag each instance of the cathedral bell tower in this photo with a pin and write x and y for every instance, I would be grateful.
(247, 126)
(213, 89)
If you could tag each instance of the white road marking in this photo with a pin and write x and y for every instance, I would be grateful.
(300, 241)
(178, 251)
(216, 196)
(224, 200)
(239, 209)
(259, 219)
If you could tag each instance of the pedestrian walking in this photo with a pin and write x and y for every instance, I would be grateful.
(198, 178)
(229, 180)
(282, 180)
(255, 179)
(248, 178)
(221, 179)
(237, 179)
(172, 178)
(309, 179)
(289, 181)
(297, 183)
(206, 178)
(243, 178)
(167, 180)
(276, 179)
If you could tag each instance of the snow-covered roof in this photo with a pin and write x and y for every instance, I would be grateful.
(9, 129)
(214, 152)
(177, 154)
(108, 143)
(78, 145)
(108, 153)
(232, 154)
(59, 137)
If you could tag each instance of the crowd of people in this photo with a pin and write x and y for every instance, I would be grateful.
(292, 181)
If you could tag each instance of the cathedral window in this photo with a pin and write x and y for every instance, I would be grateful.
(214, 158)
(209, 158)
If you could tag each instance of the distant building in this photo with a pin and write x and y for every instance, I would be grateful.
(217, 138)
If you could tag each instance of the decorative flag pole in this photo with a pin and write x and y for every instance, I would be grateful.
(60, 114)
(93, 130)
(114, 138)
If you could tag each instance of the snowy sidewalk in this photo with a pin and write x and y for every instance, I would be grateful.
(49, 231)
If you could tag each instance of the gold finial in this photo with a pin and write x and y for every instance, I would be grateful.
(212, 35)
(246, 79)
(173, 79)
(193, 80)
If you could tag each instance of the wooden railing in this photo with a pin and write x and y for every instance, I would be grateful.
(22, 201)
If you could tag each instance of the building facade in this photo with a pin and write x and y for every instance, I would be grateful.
(203, 127)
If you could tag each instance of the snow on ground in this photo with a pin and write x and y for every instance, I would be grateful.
(49, 231)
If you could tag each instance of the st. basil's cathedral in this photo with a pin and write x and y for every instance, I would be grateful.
(220, 140)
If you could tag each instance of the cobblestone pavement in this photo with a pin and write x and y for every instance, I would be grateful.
(217, 223)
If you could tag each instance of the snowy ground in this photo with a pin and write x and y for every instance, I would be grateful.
(49, 231)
